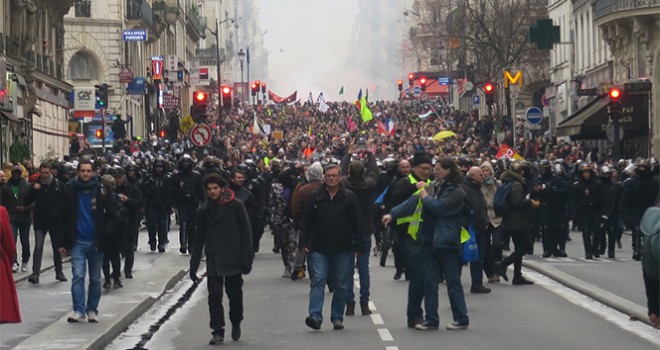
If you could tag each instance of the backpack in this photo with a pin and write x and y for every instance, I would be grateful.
(500, 204)
(650, 227)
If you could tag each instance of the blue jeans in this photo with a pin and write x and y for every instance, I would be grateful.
(413, 251)
(22, 229)
(449, 263)
(363, 271)
(85, 255)
(341, 265)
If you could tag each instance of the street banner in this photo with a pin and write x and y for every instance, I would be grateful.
(508, 152)
(280, 100)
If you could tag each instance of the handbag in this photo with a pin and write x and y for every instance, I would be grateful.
(470, 249)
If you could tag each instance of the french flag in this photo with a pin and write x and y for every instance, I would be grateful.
(388, 128)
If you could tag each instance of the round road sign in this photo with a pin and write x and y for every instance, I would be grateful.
(200, 135)
(534, 115)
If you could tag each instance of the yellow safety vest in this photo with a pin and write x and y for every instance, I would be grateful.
(416, 217)
(266, 161)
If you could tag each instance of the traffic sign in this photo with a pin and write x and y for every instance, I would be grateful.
(186, 123)
(520, 105)
(476, 99)
(417, 90)
(534, 115)
(200, 135)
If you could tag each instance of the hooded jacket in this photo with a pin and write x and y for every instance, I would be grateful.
(365, 190)
(222, 231)
(10, 202)
(518, 219)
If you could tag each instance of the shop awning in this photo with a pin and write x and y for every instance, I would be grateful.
(579, 123)
(10, 116)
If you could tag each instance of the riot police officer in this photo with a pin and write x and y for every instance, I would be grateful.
(130, 195)
(588, 198)
(553, 194)
(188, 193)
(156, 190)
(255, 184)
(639, 193)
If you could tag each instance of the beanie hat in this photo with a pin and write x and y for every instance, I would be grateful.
(315, 172)
(108, 182)
(420, 158)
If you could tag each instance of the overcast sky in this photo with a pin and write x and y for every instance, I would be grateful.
(308, 42)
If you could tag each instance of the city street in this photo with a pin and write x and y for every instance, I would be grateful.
(275, 309)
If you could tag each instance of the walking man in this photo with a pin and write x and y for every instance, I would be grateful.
(222, 231)
(331, 222)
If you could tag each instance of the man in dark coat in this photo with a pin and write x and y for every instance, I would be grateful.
(222, 231)
(49, 198)
(477, 217)
(130, 195)
(517, 223)
(12, 197)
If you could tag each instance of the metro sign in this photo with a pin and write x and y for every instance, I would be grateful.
(516, 79)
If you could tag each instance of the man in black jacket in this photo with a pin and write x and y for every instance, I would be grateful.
(478, 218)
(517, 222)
(12, 197)
(49, 198)
(188, 194)
(588, 194)
(130, 195)
(331, 223)
(222, 230)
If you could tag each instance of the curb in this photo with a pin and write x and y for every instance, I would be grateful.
(634, 311)
(47, 268)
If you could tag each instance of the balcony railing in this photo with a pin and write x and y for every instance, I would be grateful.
(603, 8)
(139, 10)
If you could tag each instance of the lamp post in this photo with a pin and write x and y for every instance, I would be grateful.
(241, 56)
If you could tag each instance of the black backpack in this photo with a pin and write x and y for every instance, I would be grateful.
(500, 204)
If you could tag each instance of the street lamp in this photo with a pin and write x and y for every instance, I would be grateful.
(241, 57)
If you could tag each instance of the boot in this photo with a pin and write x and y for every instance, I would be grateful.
(59, 275)
(350, 309)
(107, 284)
(365, 308)
(118, 283)
(34, 278)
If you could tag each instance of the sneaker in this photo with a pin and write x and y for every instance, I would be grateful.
(337, 325)
(480, 289)
(313, 323)
(521, 281)
(414, 323)
(77, 317)
(91, 317)
(425, 326)
(60, 276)
(15, 267)
(217, 339)
(286, 273)
(236, 333)
(455, 326)
(24, 267)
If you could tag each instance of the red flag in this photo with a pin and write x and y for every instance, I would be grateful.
(282, 100)
(381, 129)
(508, 152)
(351, 125)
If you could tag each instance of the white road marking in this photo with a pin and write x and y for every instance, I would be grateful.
(376, 319)
(385, 334)
(372, 306)
(392, 348)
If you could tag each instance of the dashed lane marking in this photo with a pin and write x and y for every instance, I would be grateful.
(392, 348)
(385, 334)
(377, 320)
(372, 306)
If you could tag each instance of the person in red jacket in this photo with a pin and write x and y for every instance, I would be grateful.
(9, 310)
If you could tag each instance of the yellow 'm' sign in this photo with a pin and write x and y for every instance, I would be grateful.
(516, 79)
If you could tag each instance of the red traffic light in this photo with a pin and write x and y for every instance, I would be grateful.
(99, 133)
(422, 81)
(411, 76)
(399, 82)
(200, 96)
(162, 134)
(226, 90)
(488, 87)
(615, 94)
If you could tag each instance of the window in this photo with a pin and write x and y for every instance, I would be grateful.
(83, 8)
(82, 67)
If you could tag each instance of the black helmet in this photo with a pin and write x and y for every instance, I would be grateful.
(243, 168)
(643, 167)
(132, 167)
(159, 162)
(186, 163)
(390, 163)
(545, 167)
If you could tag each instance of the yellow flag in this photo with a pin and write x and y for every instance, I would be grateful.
(365, 112)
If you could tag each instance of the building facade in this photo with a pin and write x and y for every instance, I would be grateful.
(33, 93)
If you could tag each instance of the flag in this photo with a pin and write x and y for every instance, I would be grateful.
(508, 152)
(323, 107)
(257, 128)
(310, 98)
(365, 112)
(387, 128)
(425, 115)
(321, 98)
(309, 130)
(282, 100)
(351, 125)
(358, 103)
(341, 91)
(433, 110)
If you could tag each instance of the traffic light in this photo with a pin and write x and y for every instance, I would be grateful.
(422, 83)
(200, 104)
(411, 79)
(254, 88)
(102, 96)
(263, 88)
(400, 84)
(614, 109)
(162, 133)
(226, 96)
(489, 90)
(99, 134)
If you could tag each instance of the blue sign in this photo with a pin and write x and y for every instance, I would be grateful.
(476, 99)
(443, 81)
(137, 86)
(534, 115)
(417, 90)
(135, 35)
